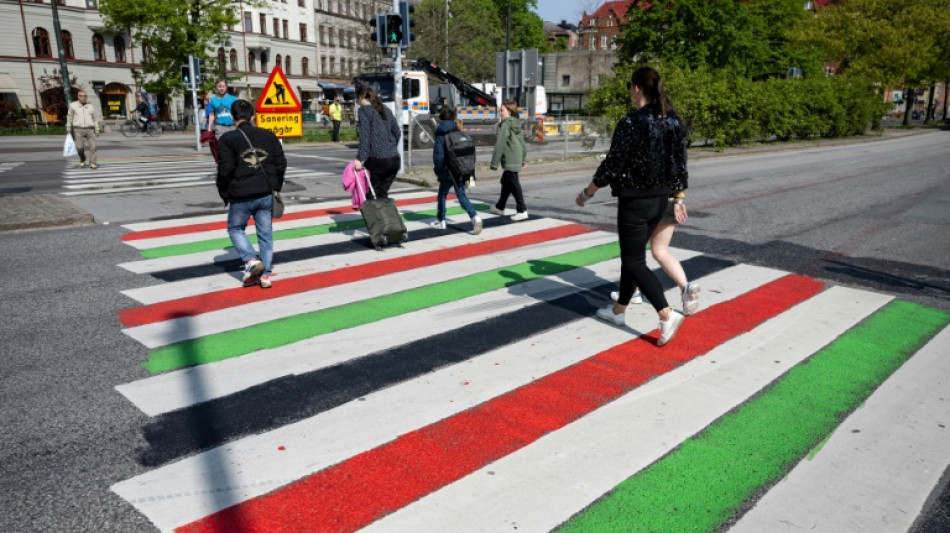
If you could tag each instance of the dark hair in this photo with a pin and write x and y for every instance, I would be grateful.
(648, 80)
(447, 113)
(365, 92)
(512, 107)
(242, 110)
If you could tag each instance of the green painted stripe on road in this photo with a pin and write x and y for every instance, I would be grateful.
(296, 328)
(707, 479)
(293, 233)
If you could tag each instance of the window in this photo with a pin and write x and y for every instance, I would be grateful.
(41, 45)
(332, 66)
(146, 54)
(323, 65)
(92, 4)
(332, 34)
(603, 42)
(263, 24)
(277, 61)
(287, 65)
(118, 44)
(233, 60)
(248, 25)
(342, 66)
(303, 33)
(305, 67)
(276, 27)
(566, 80)
(322, 35)
(264, 62)
(222, 64)
(250, 62)
(98, 47)
(302, 3)
(593, 43)
(68, 45)
(286, 30)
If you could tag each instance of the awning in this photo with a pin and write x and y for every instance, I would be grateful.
(7, 84)
(333, 86)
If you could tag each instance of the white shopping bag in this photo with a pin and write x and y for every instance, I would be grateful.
(69, 147)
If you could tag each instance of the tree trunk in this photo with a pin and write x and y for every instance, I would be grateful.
(910, 94)
(929, 117)
(946, 89)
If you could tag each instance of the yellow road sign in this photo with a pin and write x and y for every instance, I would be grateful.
(282, 124)
(278, 96)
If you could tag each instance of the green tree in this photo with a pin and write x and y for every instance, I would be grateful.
(527, 27)
(170, 31)
(474, 34)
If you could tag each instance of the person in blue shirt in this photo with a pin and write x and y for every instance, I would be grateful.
(218, 110)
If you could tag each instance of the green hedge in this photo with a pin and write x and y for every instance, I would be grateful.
(725, 110)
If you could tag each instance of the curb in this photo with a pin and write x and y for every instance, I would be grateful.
(40, 211)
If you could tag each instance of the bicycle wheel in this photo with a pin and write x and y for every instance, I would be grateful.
(154, 129)
(129, 128)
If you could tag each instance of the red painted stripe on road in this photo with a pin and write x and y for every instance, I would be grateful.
(366, 487)
(223, 225)
(204, 303)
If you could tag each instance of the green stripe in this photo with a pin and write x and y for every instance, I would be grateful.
(296, 328)
(708, 478)
(293, 233)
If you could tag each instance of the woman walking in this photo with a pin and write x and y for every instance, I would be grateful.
(511, 152)
(646, 165)
(379, 141)
(446, 180)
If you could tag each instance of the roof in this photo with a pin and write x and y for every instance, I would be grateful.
(618, 8)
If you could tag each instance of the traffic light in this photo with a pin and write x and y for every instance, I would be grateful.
(405, 11)
(379, 33)
(186, 75)
(394, 30)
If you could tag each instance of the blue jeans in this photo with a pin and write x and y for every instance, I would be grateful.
(445, 185)
(238, 215)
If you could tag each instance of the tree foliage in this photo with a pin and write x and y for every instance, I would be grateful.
(170, 31)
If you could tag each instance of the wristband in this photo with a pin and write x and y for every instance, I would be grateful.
(679, 201)
(584, 194)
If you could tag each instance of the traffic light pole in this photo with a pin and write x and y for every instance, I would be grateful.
(397, 96)
(194, 101)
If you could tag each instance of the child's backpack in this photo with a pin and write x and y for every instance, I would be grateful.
(460, 155)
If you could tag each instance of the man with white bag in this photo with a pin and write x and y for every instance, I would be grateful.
(83, 122)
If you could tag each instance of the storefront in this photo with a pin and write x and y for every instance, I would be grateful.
(114, 101)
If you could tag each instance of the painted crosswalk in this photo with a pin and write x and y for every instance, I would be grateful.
(461, 383)
(152, 174)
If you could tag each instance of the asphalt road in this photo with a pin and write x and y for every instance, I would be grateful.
(872, 215)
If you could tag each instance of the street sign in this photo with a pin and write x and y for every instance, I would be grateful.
(278, 96)
(282, 124)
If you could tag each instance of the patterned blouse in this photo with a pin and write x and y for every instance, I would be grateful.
(379, 137)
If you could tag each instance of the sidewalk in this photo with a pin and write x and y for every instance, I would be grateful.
(40, 211)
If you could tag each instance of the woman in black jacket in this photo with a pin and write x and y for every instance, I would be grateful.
(379, 141)
(645, 166)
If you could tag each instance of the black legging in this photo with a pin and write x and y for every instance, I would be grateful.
(511, 185)
(636, 220)
(382, 173)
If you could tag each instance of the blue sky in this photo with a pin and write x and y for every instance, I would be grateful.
(558, 10)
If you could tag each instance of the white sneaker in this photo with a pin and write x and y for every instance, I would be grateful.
(517, 217)
(607, 314)
(252, 271)
(691, 298)
(437, 224)
(499, 212)
(476, 226)
(668, 327)
(637, 298)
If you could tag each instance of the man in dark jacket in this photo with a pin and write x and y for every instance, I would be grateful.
(251, 167)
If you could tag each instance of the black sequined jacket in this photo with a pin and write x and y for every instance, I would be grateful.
(647, 156)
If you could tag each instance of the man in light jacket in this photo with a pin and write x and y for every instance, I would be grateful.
(82, 122)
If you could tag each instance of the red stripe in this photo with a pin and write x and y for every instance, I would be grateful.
(223, 225)
(204, 303)
(362, 489)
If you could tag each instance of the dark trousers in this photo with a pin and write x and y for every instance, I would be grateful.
(636, 220)
(382, 173)
(336, 131)
(511, 185)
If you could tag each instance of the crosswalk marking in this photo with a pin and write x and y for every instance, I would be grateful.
(151, 175)
(511, 324)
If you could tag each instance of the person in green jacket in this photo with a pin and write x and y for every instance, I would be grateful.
(511, 153)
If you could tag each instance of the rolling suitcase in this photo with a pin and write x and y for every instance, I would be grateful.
(383, 221)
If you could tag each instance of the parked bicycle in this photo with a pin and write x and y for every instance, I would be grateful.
(151, 127)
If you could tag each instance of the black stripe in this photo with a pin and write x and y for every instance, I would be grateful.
(293, 398)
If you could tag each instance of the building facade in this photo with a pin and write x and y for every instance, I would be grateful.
(318, 44)
(599, 30)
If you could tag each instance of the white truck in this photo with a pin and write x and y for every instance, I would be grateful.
(476, 104)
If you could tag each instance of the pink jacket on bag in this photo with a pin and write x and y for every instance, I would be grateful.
(357, 183)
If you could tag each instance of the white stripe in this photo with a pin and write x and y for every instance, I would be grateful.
(117, 183)
(116, 179)
(360, 256)
(204, 219)
(181, 388)
(544, 484)
(180, 329)
(115, 190)
(196, 486)
(877, 470)
(324, 158)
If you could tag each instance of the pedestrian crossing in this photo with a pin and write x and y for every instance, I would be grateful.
(462, 383)
(153, 174)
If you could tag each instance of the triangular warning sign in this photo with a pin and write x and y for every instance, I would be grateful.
(277, 96)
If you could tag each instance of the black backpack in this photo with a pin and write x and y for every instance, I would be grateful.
(460, 155)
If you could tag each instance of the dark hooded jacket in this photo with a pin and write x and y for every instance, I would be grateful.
(240, 166)
(647, 156)
(438, 151)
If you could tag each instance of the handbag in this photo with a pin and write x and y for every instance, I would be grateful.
(69, 146)
(277, 203)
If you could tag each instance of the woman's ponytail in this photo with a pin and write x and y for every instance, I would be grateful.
(648, 80)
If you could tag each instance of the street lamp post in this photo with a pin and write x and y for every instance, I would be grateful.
(64, 72)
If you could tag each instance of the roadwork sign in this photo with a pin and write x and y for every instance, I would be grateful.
(277, 96)
(282, 124)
